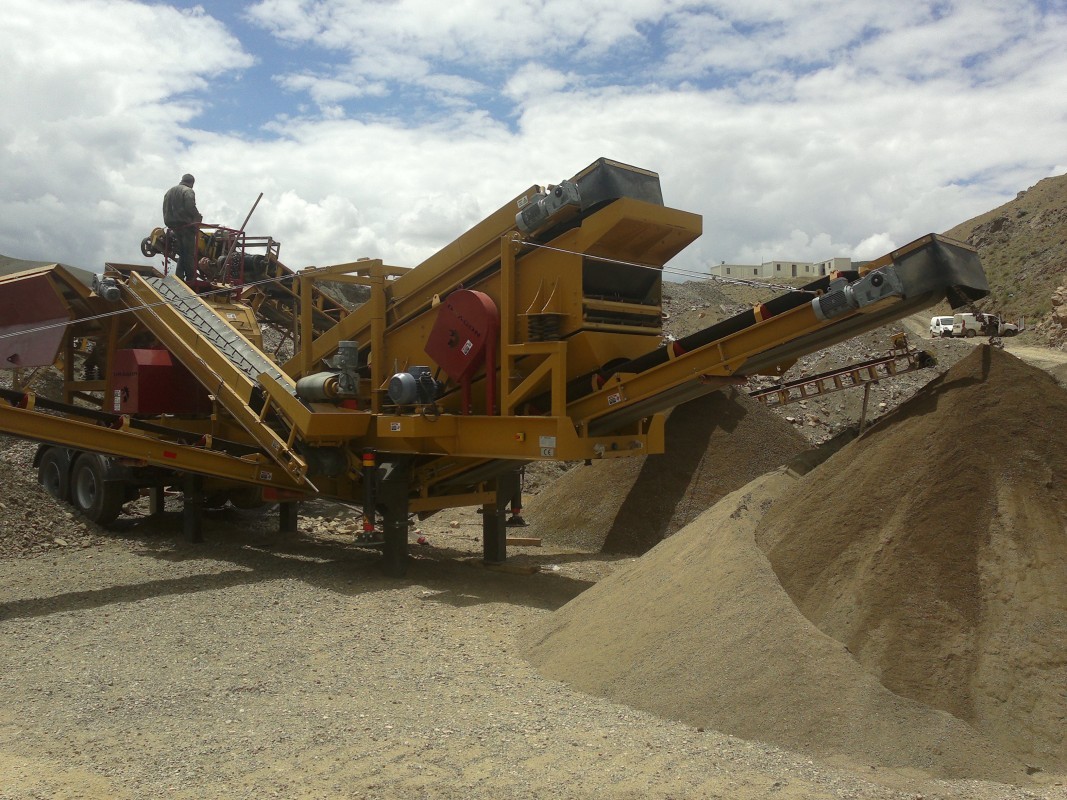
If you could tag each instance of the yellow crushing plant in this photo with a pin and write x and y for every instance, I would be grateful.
(535, 335)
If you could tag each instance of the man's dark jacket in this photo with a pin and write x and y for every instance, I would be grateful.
(179, 207)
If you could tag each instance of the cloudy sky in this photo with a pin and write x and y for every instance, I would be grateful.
(384, 128)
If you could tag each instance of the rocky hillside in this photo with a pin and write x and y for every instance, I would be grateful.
(1023, 247)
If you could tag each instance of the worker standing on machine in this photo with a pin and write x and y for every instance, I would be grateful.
(181, 216)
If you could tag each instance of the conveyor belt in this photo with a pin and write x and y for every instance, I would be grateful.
(238, 350)
(226, 363)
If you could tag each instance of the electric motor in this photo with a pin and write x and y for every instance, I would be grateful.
(414, 387)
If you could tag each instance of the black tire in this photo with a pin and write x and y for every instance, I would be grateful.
(95, 497)
(970, 333)
(53, 472)
(147, 250)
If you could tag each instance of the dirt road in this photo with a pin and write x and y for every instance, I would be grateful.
(1052, 361)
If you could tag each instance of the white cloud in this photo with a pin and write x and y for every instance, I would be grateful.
(802, 130)
(535, 80)
(873, 246)
(327, 91)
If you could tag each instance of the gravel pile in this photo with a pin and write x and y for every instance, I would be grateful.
(714, 445)
(942, 564)
(32, 523)
(921, 623)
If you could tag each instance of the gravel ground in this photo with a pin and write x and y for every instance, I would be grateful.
(257, 667)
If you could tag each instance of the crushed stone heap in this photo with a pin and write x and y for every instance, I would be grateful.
(936, 550)
(928, 559)
(714, 445)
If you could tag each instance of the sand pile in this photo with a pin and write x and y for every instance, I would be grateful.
(936, 550)
(933, 547)
(714, 445)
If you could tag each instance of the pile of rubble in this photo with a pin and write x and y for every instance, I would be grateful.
(922, 619)
(32, 522)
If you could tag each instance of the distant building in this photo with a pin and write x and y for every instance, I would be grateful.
(780, 270)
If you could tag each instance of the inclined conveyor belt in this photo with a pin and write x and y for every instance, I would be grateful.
(238, 351)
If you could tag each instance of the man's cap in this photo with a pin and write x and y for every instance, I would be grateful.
(188, 179)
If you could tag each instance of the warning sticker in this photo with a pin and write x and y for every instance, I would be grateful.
(614, 398)
(467, 347)
(394, 427)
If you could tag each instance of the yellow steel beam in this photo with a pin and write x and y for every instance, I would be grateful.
(553, 367)
(355, 325)
(519, 438)
(127, 443)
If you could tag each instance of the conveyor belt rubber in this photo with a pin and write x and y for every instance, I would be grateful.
(227, 341)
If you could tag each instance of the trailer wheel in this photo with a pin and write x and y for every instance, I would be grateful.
(53, 472)
(98, 499)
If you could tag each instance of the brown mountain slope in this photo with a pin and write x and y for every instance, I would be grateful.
(1023, 247)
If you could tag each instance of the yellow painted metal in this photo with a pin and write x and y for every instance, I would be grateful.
(571, 308)
(129, 443)
(316, 422)
(239, 315)
(229, 384)
(482, 437)
(549, 376)
(365, 324)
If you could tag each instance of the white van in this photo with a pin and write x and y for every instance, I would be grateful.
(970, 325)
(940, 326)
(966, 326)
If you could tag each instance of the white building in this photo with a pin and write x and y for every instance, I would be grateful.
(781, 269)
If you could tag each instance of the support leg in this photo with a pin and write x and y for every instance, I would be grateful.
(193, 511)
(393, 488)
(516, 520)
(494, 520)
(156, 497)
(287, 518)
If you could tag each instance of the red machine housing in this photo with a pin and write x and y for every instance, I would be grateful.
(464, 338)
(31, 304)
(152, 382)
